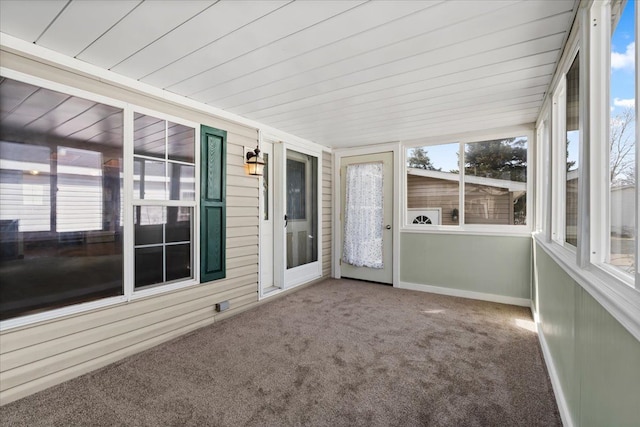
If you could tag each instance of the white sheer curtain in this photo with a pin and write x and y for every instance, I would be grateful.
(363, 217)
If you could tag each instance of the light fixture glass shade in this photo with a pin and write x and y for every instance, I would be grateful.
(255, 163)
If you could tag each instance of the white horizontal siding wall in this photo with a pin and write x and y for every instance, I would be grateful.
(38, 356)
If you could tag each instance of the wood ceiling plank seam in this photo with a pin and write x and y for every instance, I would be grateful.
(115, 24)
(228, 16)
(146, 76)
(26, 20)
(457, 109)
(408, 102)
(483, 119)
(329, 108)
(404, 121)
(104, 112)
(323, 91)
(378, 48)
(9, 112)
(145, 23)
(94, 135)
(531, 108)
(374, 49)
(410, 92)
(52, 21)
(72, 31)
(51, 110)
(166, 85)
(263, 46)
(315, 49)
(35, 94)
(387, 107)
(165, 34)
(92, 124)
(309, 99)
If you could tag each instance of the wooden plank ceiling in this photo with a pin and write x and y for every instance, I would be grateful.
(341, 73)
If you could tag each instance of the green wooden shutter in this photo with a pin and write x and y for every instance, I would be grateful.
(212, 203)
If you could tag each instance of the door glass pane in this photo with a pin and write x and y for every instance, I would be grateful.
(573, 142)
(301, 209)
(265, 188)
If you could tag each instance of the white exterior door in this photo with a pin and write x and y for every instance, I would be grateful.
(385, 274)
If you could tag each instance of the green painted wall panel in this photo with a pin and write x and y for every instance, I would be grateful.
(489, 264)
(557, 308)
(609, 366)
(597, 360)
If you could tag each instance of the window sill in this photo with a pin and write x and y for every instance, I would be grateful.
(59, 313)
(72, 310)
(617, 297)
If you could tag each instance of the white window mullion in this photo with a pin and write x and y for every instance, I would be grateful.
(559, 161)
(637, 173)
(584, 145)
(461, 209)
(600, 66)
(128, 208)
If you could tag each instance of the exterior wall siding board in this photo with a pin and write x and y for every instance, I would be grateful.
(48, 349)
(37, 356)
(41, 383)
(56, 330)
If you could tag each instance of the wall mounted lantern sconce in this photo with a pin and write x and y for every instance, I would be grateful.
(454, 215)
(254, 161)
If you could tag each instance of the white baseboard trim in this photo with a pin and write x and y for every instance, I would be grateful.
(563, 408)
(523, 302)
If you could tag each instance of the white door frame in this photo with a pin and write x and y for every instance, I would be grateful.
(282, 278)
(266, 245)
(398, 170)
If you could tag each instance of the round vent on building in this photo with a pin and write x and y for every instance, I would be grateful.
(422, 219)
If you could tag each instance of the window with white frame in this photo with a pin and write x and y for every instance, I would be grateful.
(164, 200)
(433, 185)
(598, 219)
(492, 191)
(61, 234)
(622, 143)
(63, 212)
(566, 151)
(572, 161)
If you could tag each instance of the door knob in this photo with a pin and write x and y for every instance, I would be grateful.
(388, 227)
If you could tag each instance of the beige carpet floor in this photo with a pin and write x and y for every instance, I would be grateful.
(339, 353)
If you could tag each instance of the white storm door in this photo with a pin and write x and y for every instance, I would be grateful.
(301, 200)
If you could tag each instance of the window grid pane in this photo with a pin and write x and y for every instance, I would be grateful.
(163, 242)
(496, 182)
(433, 185)
(573, 149)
